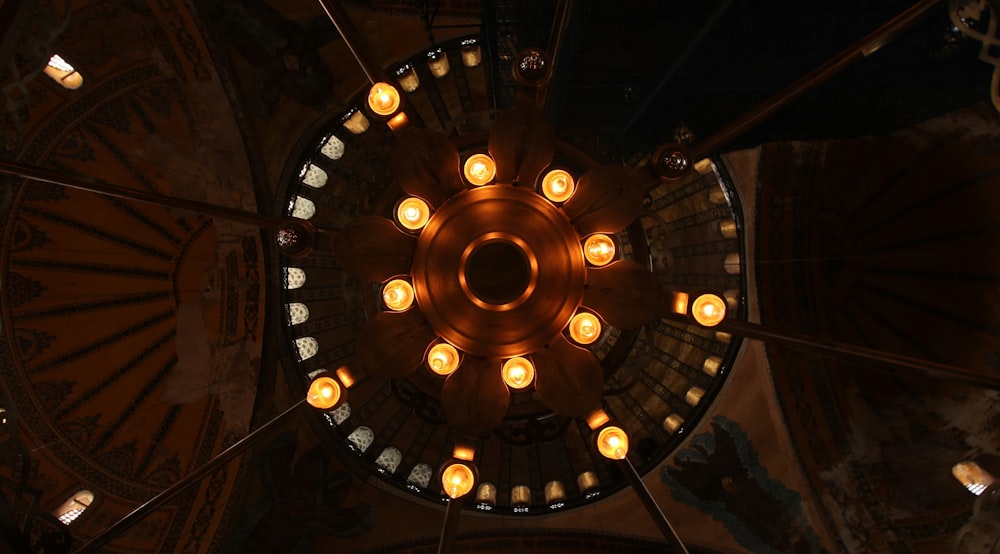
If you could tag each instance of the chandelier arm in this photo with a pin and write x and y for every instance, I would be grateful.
(861, 49)
(99, 187)
(818, 345)
(349, 33)
(651, 506)
(224, 457)
(557, 37)
(450, 526)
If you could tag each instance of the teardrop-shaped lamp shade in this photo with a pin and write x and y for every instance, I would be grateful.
(522, 142)
(372, 249)
(568, 378)
(392, 344)
(607, 198)
(475, 398)
(625, 293)
(426, 164)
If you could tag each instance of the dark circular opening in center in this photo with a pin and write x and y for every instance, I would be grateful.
(498, 272)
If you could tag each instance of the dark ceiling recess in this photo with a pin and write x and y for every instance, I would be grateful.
(633, 75)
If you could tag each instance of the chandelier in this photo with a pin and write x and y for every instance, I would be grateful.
(496, 272)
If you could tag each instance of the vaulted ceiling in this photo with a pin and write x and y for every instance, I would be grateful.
(141, 341)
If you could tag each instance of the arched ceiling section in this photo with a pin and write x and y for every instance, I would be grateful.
(133, 332)
(888, 243)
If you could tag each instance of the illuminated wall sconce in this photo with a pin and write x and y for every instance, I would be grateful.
(679, 302)
(599, 249)
(356, 122)
(732, 298)
(712, 365)
(398, 122)
(673, 423)
(597, 419)
(520, 496)
(727, 229)
(558, 185)
(464, 452)
(704, 166)
(408, 78)
(555, 492)
(443, 358)
(973, 477)
(397, 295)
(471, 54)
(717, 196)
(413, 213)
(486, 494)
(60, 71)
(437, 61)
(694, 395)
(479, 169)
(343, 373)
(732, 263)
(584, 328)
(518, 373)
(588, 482)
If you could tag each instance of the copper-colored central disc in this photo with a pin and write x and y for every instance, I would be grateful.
(498, 271)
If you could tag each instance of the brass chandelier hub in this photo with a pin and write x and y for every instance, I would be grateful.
(498, 271)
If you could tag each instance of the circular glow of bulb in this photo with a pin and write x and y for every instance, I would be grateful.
(612, 443)
(480, 169)
(599, 249)
(383, 99)
(518, 372)
(324, 392)
(413, 213)
(558, 185)
(584, 328)
(457, 480)
(708, 310)
(397, 295)
(443, 359)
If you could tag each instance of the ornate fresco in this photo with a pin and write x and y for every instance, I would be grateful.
(133, 332)
(897, 253)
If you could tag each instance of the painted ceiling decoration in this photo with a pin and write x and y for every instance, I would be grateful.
(144, 343)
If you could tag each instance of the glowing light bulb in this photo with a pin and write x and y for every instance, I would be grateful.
(480, 169)
(584, 328)
(324, 392)
(558, 185)
(413, 213)
(599, 249)
(518, 372)
(383, 99)
(345, 376)
(708, 310)
(457, 480)
(443, 359)
(397, 295)
(612, 443)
